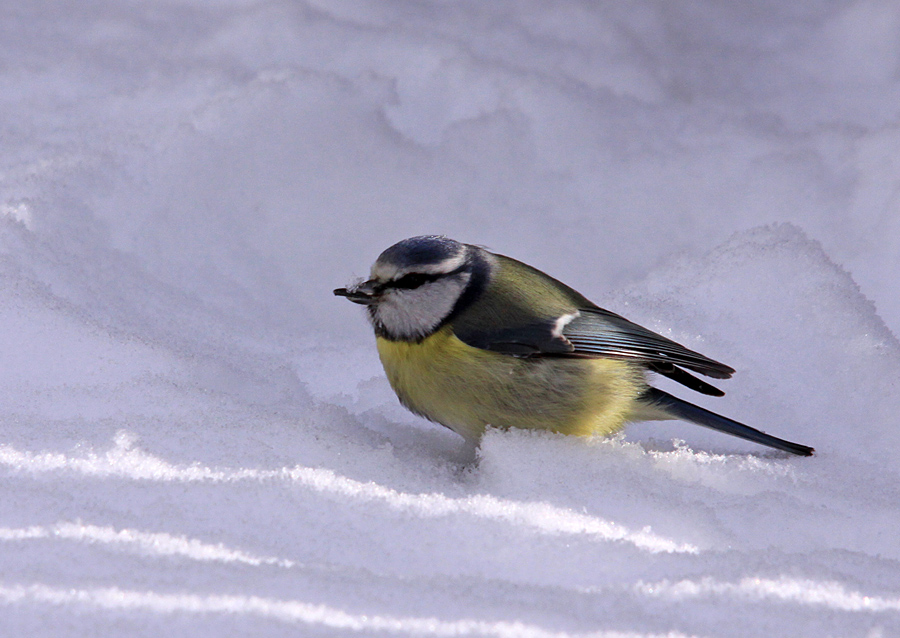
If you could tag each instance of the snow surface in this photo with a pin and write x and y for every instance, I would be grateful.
(196, 438)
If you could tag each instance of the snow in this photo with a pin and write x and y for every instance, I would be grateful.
(196, 437)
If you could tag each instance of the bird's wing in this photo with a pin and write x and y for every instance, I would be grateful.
(594, 332)
(530, 338)
(603, 333)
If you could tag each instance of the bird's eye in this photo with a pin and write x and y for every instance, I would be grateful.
(412, 280)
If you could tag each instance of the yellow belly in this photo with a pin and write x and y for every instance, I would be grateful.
(468, 389)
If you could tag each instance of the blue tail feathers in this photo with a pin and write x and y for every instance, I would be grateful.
(695, 414)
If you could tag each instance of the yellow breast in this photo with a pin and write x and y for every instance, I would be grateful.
(468, 389)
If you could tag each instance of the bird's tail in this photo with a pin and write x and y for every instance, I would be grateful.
(679, 409)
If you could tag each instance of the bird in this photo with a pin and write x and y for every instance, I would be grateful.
(472, 340)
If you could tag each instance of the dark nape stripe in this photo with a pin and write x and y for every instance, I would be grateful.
(480, 271)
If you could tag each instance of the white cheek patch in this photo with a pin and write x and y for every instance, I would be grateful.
(413, 314)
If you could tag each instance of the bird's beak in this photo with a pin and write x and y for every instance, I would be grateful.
(365, 293)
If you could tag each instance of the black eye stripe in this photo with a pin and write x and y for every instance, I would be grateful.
(413, 280)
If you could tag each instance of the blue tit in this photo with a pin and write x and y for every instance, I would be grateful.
(472, 339)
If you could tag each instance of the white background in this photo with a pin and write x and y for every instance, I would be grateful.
(196, 437)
